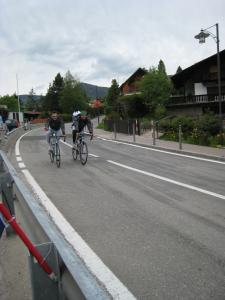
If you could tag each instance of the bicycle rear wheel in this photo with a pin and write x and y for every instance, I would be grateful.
(57, 155)
(83, 153)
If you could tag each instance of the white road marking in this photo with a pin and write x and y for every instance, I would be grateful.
(108, 280)
(19, 158)
(71, 146)
(21, 165)
(188, 186)
(164, 151)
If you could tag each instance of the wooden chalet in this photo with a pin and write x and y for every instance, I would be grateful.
(130, 86)
(198, 84)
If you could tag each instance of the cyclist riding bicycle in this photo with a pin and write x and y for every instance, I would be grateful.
(55, 124)
(80, 120)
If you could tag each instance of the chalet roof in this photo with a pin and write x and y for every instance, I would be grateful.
(186, 73)
(139, 71)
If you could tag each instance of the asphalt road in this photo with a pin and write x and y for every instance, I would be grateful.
(163, 239)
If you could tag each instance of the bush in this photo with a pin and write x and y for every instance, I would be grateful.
(208, 124)
(159, 112)
(165, 125)
(67, 117)
(113, 116)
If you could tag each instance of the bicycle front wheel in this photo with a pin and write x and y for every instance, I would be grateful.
(74, 153)
(83, 153)
(57, 155)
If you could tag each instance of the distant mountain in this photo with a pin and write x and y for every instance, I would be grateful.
(23, 98)
(94, 91)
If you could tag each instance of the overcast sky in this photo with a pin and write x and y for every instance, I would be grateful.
(98, 40)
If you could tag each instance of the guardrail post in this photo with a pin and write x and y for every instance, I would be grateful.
(180, 137)
(6, 189)
(153, 134)
(133, 127)
(114, 129)
(42, 286)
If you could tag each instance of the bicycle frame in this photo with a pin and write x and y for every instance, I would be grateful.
(55, 149)
(81, 149)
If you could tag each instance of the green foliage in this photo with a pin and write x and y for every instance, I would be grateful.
(161, 67)
(133, 106)
(159, 112)
(66, 117)
(101, 126)
(10, 101)
(208, 124)
(51, 100)
(72, 97)
(113, 116)
(203, 131)
(113, 94)
(156, 88)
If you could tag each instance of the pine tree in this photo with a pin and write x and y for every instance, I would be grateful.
(113, 94)
(161, 67)
(51, 100)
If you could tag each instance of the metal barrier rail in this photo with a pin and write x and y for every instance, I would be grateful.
(75, 278)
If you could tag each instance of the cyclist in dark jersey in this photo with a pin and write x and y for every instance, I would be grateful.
(80, 120)
(55, 124)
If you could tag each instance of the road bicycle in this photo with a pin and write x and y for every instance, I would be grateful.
(54, 151)
(80, 149)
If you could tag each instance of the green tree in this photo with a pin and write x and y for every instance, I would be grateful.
(161, 67)
(51, 100)
(156, 88)
(133, 106)
(10, 101)
(72, 97)
(112, 96)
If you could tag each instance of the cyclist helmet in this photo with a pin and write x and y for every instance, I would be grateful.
(83, 113)
(76, 113)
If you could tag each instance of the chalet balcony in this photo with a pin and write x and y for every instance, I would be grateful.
(197, 99)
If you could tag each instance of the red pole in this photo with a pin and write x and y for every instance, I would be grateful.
(12, 221)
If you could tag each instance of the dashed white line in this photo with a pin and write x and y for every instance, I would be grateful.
(69, 145)
(188, 186)
(21, 165)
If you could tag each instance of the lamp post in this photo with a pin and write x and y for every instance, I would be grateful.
(204, 33)
(18, 98)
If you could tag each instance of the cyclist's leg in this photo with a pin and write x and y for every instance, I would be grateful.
(48, 138)
(58, 134)
(75, 135)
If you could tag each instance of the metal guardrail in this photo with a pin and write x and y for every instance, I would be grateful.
(75, 278)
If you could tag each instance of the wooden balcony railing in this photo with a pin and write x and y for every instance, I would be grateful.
(177, 100)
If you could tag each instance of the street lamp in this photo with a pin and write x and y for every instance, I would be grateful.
(18, 97)
(204, 33)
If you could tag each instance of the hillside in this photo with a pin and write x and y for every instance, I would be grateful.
(92, 91)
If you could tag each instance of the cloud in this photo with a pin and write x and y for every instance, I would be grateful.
(99, 40)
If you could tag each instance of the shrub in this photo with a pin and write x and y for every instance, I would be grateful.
(208, 124)
(67, 117)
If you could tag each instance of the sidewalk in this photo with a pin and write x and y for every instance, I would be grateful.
(147, 140)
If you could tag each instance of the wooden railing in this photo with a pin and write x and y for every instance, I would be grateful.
(176, 100)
